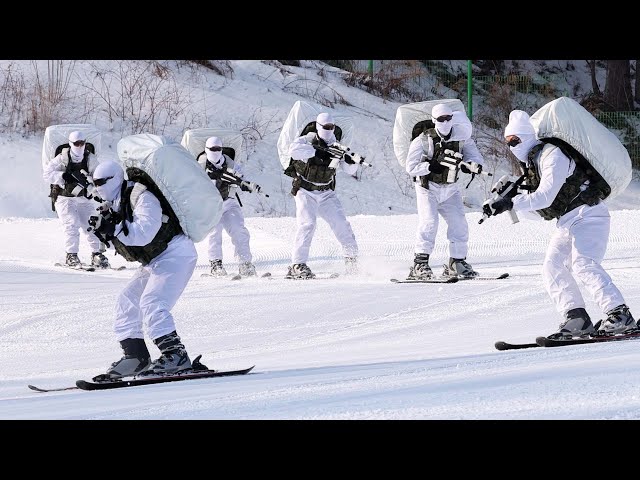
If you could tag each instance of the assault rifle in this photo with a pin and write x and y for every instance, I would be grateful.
(230, 176)
(337, 151)
(107, 215)
(453, 161)
(84, 182)
(504, 188)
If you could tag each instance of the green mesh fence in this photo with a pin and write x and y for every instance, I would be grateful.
(626, 126)
(429, 79)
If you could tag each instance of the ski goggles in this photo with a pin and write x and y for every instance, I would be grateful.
(101, 181)
(214, 149)
(78, 143)
(444, 118)
(514, 141)
(327, 126)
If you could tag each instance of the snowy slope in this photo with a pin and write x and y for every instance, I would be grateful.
(350, 348)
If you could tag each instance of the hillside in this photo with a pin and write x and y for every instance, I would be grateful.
(251, 96)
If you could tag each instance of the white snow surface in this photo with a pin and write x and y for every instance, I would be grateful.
(352, 348)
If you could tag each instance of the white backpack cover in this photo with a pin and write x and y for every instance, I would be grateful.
(194, 140)
(56, 135)
(193, 197)
(569, 121)
(408, 115)
(301, 114)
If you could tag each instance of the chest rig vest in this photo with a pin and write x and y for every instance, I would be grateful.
(73, 167)
(170, 226)
(439, 146)
(216, 174)
(315, 173)
(570, 195)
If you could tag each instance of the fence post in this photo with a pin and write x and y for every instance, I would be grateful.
(371, 68)
(469, 89)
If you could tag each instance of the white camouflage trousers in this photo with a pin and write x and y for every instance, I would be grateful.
(325, 204)
(146, 301)
(575, 251)
(74, 213)
(445, 200)
(232, 221)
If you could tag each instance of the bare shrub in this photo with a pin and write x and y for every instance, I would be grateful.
(221, 67)
(256, 128)
(316, 90)
(392, 80)
(49, 90)
(143, 96)
(12, 98)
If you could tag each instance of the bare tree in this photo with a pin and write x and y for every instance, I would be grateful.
(49, 91)
(594, 82)
(637, 97)
(617, 90)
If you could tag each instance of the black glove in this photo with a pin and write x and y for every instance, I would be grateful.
(68, 178)
(245, 186)
(497, 207)
(348, 159)
(213, 172)
(436, 167)
(105, 224)
(321, 158)
(464, 168)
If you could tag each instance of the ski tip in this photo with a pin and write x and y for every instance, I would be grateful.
(33, 387)
(501, 346)
(504, 275)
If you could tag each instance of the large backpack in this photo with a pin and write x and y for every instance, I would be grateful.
(195, 139)
(568, 125)
(167, 169)
(302, 120)
(413, 119)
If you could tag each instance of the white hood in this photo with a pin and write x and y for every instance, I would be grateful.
(410, 114)
(299, 116)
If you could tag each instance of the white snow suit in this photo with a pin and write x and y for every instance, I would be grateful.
(444, 199)
(324, 203)
(73, 212)
(579, 243)
(146, 301)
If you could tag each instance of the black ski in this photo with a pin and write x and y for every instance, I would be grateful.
(514, 346)
(428, 280)
(137, 381)
(38, 389)
(483, 277)
(77, 267)
(198, 371)
(548, 342)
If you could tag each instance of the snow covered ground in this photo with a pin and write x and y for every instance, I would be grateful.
(348, 348)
